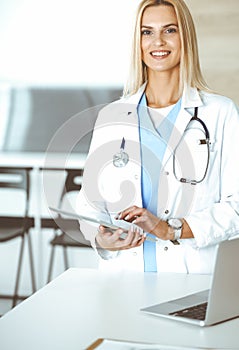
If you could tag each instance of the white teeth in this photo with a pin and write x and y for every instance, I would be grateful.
(160, 54)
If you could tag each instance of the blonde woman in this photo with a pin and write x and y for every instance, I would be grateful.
(175, 169)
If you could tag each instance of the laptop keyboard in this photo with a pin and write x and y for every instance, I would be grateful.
(197, 312)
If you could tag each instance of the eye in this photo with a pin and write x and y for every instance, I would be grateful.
(171, 30)
(146, 32)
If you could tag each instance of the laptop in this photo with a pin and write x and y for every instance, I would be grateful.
(209, 307)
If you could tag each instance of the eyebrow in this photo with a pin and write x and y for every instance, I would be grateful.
(165, 26)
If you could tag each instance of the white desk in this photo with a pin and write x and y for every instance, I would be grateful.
(82, 305)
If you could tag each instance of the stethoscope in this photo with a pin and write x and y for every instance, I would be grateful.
(121, 158)
(205, 141)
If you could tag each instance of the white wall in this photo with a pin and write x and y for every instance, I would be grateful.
(79, 42)
(65, 41)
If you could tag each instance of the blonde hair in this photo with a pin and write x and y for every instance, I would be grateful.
(190, 71)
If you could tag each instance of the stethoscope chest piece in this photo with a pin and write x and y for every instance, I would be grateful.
(121, 158)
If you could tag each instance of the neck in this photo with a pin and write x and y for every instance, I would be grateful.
(162, 90)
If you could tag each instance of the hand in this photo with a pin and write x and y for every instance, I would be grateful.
(147, 221)
(111, 240)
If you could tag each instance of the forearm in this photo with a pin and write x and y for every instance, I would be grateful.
(163, 231)
(186, 230)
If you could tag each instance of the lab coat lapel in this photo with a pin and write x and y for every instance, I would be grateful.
(126, 120)
(190, 100)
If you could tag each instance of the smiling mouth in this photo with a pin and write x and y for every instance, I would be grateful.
(160, 53)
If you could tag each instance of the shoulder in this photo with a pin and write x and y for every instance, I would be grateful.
(221, 111)
(219, 102)
(111, 111)
(123, 106)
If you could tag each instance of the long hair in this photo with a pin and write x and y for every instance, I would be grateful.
(190, 71)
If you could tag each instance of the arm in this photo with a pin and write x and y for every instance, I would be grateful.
(152, 224)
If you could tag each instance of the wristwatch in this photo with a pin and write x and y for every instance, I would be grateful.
(177, 225)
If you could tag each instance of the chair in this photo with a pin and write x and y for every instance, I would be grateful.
(12, 227)
(66, 231)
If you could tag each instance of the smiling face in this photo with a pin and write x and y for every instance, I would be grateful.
(160, 39)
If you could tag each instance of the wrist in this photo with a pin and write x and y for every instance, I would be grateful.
(175, 229)
(160, 229)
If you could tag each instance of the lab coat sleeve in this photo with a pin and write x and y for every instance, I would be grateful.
(220, 221)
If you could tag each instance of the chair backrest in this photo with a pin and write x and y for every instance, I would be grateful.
(73, 183)
(16, 178)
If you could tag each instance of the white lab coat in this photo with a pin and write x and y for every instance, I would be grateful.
(211, 208)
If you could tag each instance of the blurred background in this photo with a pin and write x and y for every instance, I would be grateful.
(60, 58)
(75, 42)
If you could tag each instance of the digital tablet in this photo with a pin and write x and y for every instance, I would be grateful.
(124, 225)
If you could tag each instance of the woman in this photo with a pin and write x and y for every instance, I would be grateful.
(181, 181)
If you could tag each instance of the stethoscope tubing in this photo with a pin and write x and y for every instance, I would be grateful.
(206, 141)
(121, 159)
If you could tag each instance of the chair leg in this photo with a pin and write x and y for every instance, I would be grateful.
(51, 264)
(31, 263)
(66, 262)
(15, 296)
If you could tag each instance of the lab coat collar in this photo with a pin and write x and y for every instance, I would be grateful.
(134, 99)
(190, 99)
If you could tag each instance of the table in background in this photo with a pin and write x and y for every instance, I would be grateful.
(82, 305)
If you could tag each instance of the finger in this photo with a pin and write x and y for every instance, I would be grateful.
(127, 241)
(140, 241)
(137, 236)
(125, 212)
(109, 240)
(102, 230)
(120, 243)
(140, 220)
(132, 214)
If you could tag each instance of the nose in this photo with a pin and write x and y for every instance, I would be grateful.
(159, 39)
